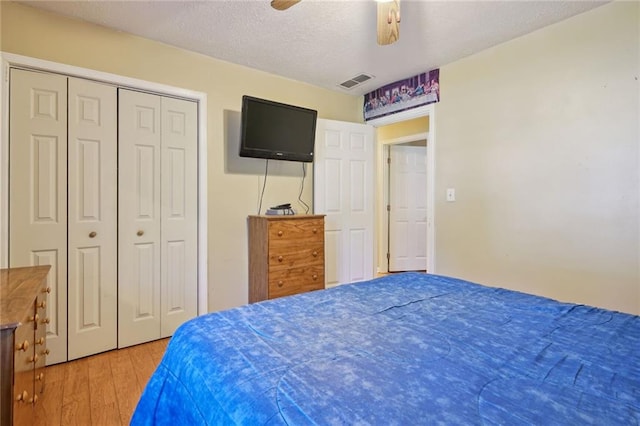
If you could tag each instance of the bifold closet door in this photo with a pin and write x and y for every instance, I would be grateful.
(157, 217)
(138, 218)
(38, 190)
(179, 214)
(92, 245)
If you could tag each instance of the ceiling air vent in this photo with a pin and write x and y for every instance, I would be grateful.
(352, 82)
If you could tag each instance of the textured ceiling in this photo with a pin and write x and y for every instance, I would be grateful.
(325, 42)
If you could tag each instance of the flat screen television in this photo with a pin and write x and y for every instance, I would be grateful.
(278, 131)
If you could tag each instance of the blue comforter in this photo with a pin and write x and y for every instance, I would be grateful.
(405, 349)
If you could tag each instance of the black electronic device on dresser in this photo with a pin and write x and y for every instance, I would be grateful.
(280, 209)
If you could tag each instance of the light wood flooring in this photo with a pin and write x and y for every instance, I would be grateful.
(98, 390)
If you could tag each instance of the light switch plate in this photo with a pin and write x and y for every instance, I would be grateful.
(451, 194)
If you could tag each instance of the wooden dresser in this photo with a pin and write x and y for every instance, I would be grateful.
(286, 255)
(23, 347)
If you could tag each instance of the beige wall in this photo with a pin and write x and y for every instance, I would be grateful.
(540, 138)
(232, 196)
(402, 129)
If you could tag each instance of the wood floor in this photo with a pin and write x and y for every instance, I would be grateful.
(98, 390)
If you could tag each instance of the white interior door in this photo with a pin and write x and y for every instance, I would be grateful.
(179, 222)
(92, 255)
(343, 191)
(38, 190)
(138, 217)
(408, 208)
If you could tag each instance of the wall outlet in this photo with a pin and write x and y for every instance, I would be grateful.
(451, 194)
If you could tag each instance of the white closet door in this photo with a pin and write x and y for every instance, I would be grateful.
(343, 191)
(38, 190)
(179, 223)
(138, 218)
(92, 281)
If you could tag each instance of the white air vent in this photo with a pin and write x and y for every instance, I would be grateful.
(352, 82)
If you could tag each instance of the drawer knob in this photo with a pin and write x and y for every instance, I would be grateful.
(40, 341)
(140, 233)
(34, 399)
(34, 318)
(33, 358)
(40, 377)
(280, 233)
(314, 276)
(280, 258)
(314, 254)
(42, 304)
(46, 290)
(22, 397)
(315, 230)
(45, 352)
(280, 283)
(92, 234)
(45, 321)
(23, 346)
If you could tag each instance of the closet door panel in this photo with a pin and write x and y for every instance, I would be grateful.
(179, 257)
(38, 189)
(138, 217)
(92, 160)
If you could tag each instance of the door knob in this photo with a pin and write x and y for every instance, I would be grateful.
(140, 233)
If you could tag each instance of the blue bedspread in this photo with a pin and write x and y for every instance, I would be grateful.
(405, 349)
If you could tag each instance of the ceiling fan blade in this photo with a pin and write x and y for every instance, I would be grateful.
(283, 4)
(388, 22)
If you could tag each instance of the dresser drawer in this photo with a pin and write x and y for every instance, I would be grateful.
(285, 233)
(23, 356)
(24, 361)
(285, 282)
(296, 256)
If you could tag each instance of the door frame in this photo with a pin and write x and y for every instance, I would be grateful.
(423, 111)
(10, 60)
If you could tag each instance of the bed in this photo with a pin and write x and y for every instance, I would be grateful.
(407, 348)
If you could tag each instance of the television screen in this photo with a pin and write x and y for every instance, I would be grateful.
(277, 131)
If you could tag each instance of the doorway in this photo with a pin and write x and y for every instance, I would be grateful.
(407, 129)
